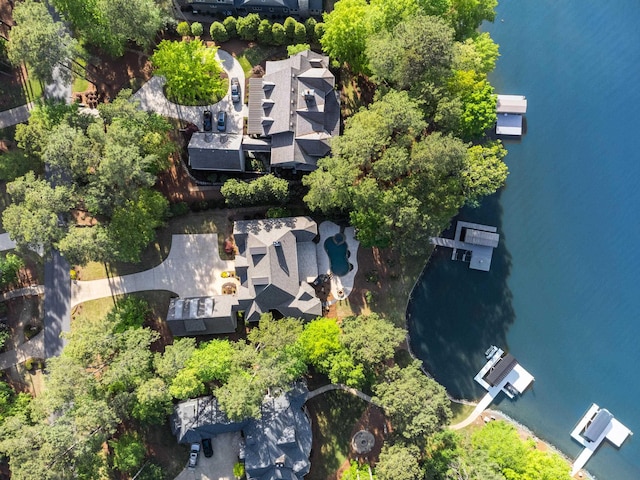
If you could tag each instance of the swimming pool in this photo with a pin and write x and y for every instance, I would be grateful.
(338, 251)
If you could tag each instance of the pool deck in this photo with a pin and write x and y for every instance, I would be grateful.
(343, 284)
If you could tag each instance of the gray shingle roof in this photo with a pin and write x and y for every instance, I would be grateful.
(295, 99)
(269, 266)
(277, 445)
(215, 151)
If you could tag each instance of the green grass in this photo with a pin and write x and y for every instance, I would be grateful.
(334, 416)
(92, 309)
(246, 65)
(157, 251)
(460, 412)
(257, 54)
(80, 84)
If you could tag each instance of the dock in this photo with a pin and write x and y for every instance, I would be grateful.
(510, 110)
(501, 373)
(475, 241)
(597, 425)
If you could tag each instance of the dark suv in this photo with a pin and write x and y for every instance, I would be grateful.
(207, 448)
(206, 121)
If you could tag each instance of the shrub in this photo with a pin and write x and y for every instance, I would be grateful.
(295, 49)
(219, 32)
(238, 470)
(230, 26)
(290, 27)
(5, 333)
(299, 33)
(178, 209)
(264, 32)
(28, 364)
(279, 35)
(319, 31)
(310, 27)
(278, 212)
(247, 27)
(10, 265)
(183, 29)
(197, 29)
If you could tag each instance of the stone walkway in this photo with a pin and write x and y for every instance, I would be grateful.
(15, 115)
(33, 348)
(340, 386)
(193, 268)
(152, 99)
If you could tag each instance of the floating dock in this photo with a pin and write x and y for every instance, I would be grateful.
(596, 426)
(475, 241)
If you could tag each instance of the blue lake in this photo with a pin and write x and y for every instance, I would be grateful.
(563, 294)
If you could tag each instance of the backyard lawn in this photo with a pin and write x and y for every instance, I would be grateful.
(333, 417)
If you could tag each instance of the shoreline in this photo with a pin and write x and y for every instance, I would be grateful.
(523, 430)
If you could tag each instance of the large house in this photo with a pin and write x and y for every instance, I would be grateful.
(275, 263)
(266, 8)
(296, 105)
(275, 266)
(276, 446)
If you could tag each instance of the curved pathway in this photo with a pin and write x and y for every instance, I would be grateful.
(482, 405)
(192, 269)
(33, 348)
(340, 386)
(152, 99)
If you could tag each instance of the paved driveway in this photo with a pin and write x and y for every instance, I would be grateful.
(226, 447)
(192, 269)
(152, 99)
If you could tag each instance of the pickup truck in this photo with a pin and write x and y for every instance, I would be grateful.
(193, 455)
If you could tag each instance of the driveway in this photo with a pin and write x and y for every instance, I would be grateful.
(152, 99)
(193, 268)
(226, 447)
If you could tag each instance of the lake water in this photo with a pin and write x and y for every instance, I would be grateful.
(563, 294)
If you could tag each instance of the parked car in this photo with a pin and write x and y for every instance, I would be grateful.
(207, 448)
(206, 120)
(222, 121)
(235, 90)
(193, 455)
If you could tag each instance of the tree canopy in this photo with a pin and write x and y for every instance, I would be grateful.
(39, 41)
(110, 24)
(417, 405)
(398, 184)
(102, 166)
(192, 72)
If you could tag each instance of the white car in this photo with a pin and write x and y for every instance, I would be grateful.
(193, 456)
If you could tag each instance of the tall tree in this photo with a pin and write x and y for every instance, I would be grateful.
(33, 219)
(467, 15)
(345, 33)
(478, 53)
(398, 462)
(417, 49)
(39, 41)
(416, 404)
(371, 339)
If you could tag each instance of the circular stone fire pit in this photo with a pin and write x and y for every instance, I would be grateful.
(363, 442)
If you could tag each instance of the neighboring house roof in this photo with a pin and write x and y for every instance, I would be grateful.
(216, 151)
(277, 445)
(296, 104)
(202, 315)
(275, 261)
